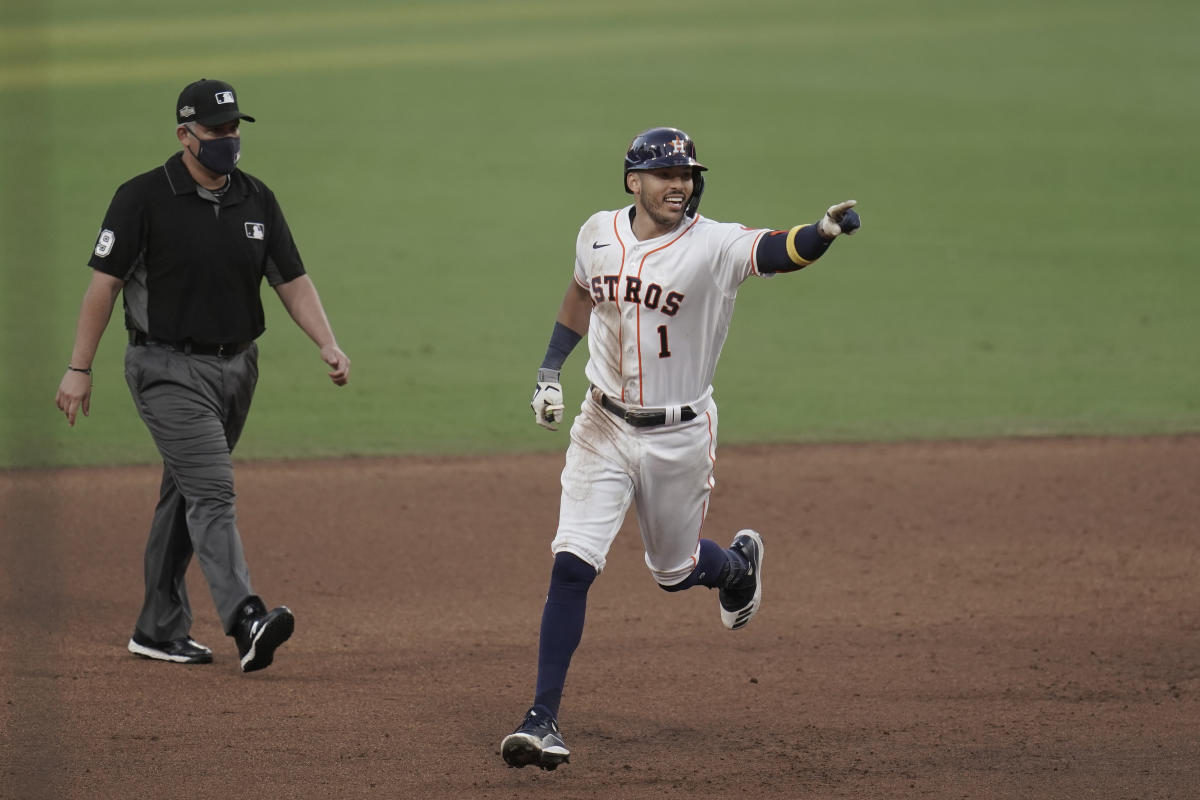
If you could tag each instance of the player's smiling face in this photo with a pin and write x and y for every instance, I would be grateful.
(662, 196)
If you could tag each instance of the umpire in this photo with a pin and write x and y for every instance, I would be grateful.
(190, 242)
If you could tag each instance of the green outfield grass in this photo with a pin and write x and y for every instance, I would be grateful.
(1026, 173)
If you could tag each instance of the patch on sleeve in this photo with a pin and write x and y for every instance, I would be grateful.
(104, 244)
(256, 230)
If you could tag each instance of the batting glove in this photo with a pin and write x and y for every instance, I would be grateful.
(839, 219)
(547, 400)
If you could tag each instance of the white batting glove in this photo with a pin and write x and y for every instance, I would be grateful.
(547, 400)
(839, 219)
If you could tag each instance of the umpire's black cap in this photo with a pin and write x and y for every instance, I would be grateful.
(208, 102)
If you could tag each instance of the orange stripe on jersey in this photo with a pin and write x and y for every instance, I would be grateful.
(617, 304)
(641, 266)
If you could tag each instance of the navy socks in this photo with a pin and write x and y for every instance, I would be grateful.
(712, 568)
(566, 606)
(713, 565)
(562, 627)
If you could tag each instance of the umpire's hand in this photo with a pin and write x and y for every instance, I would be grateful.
(74, 393)
(332, 355)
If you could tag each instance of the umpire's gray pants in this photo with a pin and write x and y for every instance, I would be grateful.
(195, 407)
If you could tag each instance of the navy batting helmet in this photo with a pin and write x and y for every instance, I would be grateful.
(665, 147)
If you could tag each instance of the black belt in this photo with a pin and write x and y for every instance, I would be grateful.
(188, 347)
(641, 417)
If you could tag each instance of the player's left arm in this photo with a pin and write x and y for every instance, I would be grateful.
(789, 251)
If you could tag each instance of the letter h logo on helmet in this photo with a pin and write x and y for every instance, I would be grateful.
(661, 147)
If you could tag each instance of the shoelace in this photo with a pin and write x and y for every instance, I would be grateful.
(535, 720)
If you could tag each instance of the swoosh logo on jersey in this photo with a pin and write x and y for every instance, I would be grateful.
(597, 245)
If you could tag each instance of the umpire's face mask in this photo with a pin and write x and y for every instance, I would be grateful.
(218, 155)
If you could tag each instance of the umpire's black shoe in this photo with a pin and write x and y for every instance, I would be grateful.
(741, 595)
(178, 651)
(536, 742)
(259, 632)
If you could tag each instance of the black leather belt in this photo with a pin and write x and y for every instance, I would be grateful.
(640, 417)
(188, 347)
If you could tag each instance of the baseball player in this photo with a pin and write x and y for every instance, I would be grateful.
(653, 290)
(189, 243)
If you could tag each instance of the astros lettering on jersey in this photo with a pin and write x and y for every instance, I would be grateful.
(661, 307)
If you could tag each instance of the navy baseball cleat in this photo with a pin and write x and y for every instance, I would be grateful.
(178, 651)
(259, 633)
(537, 742)
(741, 595)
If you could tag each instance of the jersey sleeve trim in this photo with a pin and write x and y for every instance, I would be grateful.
(754, 270)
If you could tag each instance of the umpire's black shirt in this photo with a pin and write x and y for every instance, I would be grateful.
(192, 262)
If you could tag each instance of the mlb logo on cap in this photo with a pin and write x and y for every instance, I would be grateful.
(209, 102)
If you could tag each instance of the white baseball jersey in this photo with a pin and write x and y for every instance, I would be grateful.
(661, 307)
(660, 314)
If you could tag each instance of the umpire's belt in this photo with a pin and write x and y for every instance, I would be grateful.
(188, 347)
(643, 417)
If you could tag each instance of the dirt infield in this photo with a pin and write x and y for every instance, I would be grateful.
(1002, 619)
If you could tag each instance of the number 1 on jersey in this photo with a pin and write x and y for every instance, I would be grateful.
(664, 350)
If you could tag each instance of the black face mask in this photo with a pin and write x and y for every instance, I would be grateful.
(219, 155)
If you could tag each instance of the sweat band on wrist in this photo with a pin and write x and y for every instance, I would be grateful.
(562, 342)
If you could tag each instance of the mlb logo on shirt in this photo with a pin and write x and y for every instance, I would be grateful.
(225, 97)
(256, 230)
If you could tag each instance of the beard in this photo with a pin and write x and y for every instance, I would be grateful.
(662, 215)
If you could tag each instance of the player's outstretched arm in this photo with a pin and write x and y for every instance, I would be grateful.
(804, 244)
(574, 316)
